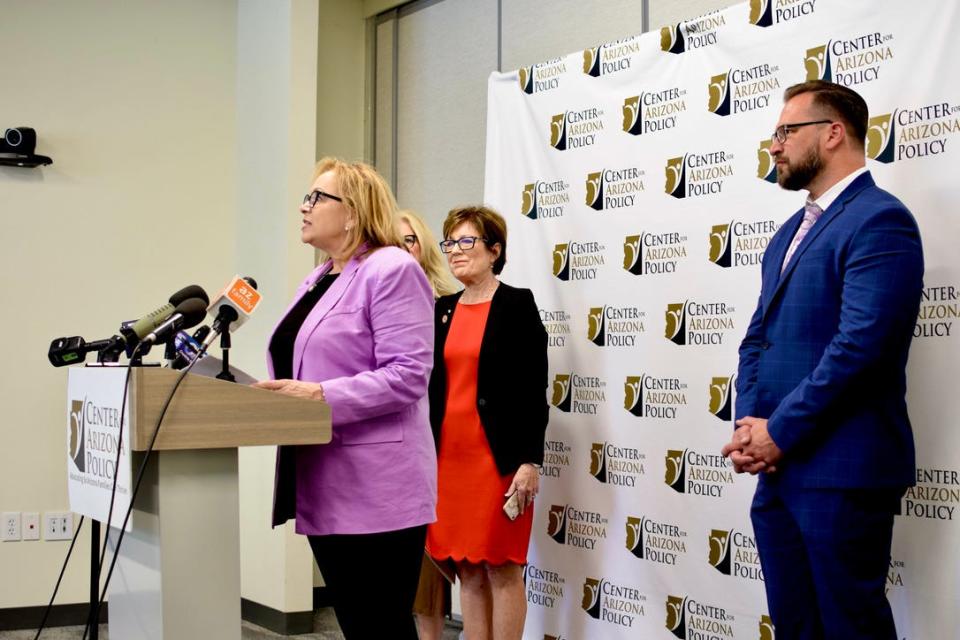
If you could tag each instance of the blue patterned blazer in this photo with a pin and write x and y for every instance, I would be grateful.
(825, 354)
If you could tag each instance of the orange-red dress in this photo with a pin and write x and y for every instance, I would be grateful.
(471, 524)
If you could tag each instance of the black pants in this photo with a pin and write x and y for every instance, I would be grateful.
(372, 580)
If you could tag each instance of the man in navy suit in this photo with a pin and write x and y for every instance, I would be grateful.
(821, 413)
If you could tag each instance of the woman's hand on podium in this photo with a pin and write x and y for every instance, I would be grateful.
(295, 388)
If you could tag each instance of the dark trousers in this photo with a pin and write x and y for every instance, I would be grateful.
(825, 554)
(372, 580)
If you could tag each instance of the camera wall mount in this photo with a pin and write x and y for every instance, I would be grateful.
(17, 149)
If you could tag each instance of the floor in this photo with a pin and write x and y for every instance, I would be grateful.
(324, 628)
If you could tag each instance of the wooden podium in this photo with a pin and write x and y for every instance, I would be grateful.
(178, 574)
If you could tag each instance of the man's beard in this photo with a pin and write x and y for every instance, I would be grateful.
(801, 174)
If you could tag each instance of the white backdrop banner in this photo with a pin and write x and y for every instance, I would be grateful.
(640, 195)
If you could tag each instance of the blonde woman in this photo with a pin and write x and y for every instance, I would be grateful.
(423, 246)
(359, 336)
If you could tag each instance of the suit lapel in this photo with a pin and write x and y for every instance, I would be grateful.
(859, 184)
(326, 303)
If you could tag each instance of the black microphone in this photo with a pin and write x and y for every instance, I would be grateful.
(232, 306)
(187, 314)
(148, 323)
(67, 351)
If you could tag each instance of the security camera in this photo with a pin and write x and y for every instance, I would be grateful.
(20, 140)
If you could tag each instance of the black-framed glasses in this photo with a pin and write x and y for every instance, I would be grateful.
(465, 243)
(780, 133)
(410, 240)
(317, 195)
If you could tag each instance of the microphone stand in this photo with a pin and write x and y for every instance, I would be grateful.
(225, 350)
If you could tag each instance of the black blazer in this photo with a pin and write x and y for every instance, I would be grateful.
(511, 377)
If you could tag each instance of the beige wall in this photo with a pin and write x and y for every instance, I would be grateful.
(182, 124)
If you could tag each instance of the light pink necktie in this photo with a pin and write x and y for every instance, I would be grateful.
(811, 213)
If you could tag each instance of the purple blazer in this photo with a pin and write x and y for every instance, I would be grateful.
(369, 341)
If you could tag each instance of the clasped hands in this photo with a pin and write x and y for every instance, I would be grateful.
(751, 449)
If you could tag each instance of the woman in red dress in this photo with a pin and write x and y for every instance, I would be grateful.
(488, 409)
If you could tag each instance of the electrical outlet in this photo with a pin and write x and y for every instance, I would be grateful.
(10, 530)
(31, 525)
(57, 525)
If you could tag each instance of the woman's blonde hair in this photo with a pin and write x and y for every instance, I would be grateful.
(366, 194)
(430, 257)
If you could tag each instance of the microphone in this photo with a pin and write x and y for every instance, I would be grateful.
(185, 315)
(67, 351)
(149, 323)
(233, 305)
(188, 347)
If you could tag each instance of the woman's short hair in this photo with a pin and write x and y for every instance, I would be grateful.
(366, 194)
(490, 224)
(430, 257)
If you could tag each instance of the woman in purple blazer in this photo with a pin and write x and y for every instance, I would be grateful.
(359, 335)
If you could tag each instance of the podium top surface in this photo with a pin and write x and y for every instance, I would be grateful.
(207, 413)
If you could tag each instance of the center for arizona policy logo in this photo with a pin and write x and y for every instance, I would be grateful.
(647, 396)
(574, 393)
(545, 199)
(575, 129)
(695, 473)
(697, 174)
(557, 324)
(613, 603)
(653, 253)
(689, 619)
(618, 465)
(542, 77)
(740, 244)
(939, 307)
(849, 61)
(908, 134)
(698, 323)
(653, 111)
(721, 397)
(610, 326)
(609, 189)
(935, 496)
(544, 587)
(766, 13)
(574, 527)
(734, 554)
(655, 541)
(578, 260)
(556, 458)
(611, 57)
(739, 90)
(692, 34)
(76, 445)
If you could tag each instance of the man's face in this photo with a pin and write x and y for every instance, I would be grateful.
(798, 158)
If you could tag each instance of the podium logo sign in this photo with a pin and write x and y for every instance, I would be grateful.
(93, 429)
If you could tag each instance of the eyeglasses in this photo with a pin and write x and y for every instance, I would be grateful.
(780, 134)
(410, 240)
(465, 243)
(317, 195)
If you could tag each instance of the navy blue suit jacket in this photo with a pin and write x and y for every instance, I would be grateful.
(825, 354)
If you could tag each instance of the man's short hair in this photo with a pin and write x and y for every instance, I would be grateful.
(841, 102)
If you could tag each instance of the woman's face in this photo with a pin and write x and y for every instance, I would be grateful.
(473, 265)
(325, 224)
(410, 239)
